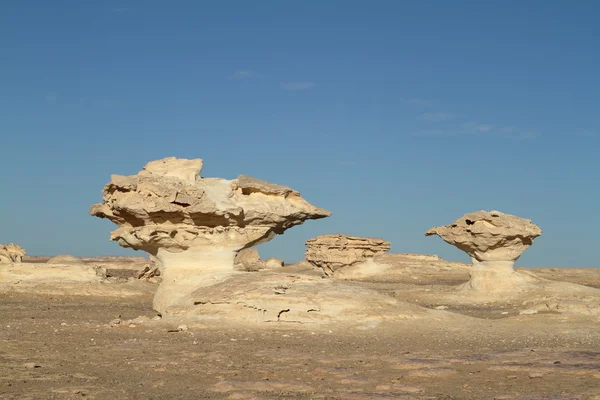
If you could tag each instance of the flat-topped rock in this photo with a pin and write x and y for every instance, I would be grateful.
(334, 251)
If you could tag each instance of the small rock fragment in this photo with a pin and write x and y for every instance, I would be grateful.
(528, 312)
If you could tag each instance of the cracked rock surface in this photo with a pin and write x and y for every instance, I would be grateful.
(299, 299)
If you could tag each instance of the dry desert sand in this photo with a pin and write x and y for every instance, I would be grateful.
(202, 316)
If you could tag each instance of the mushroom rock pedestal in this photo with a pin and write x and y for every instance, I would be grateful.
(336, 253)
(494, 241)
(195, 226)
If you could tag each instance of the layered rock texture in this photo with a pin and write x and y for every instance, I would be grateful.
(11, 253)
(494, 241)
(335, 251)
(193, 225)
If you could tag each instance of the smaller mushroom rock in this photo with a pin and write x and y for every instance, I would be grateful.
(247, 260)
(494, 241)
(334, 251)
(11, 253)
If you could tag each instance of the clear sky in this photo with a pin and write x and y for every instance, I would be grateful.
(395, 115)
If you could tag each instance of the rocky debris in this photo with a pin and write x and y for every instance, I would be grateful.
(195, 225)
(65, 259)
(273, 263)
(247, 260)
(11, 253)
(334, 251)
(494, 241)
(150, 273)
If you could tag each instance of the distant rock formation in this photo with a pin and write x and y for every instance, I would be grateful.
(334, 251)
(273, 263)
(65, 259)
(195, 225)
(494, 241)
(11, 253)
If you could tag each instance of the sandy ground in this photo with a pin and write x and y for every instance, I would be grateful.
(62, 347)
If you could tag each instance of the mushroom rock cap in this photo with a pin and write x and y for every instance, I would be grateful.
(489, 236)
(168, 205)
(333, 251)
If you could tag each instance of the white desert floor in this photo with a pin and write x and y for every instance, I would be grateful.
(102, 340)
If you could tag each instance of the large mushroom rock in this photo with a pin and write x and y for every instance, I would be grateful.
(335, 251)
(11, 253)
(195, 225)
(494, 241)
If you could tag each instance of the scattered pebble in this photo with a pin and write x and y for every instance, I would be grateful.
(63, 324)
(441, 307)
(528, 312)
(182, 328)
(533, 375)
(32, 365)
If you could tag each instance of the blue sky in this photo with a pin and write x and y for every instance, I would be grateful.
(395, 115)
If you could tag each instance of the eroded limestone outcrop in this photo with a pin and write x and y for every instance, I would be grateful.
(270, 297)
(11, 253)
(494, 241)
(333, 252)
(193, 225)
(247, 260)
